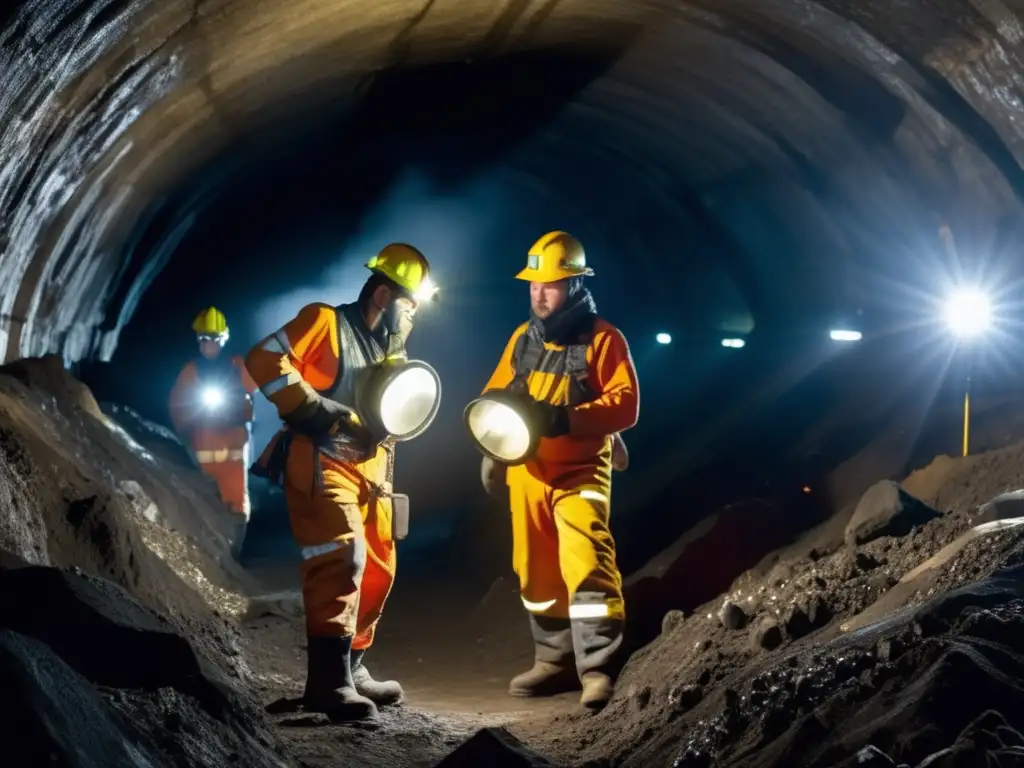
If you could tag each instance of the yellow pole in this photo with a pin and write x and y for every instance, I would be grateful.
(967, 420)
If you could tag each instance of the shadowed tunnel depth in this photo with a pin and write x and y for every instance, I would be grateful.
(767, 168)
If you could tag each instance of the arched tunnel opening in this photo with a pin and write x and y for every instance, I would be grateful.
(803, 518)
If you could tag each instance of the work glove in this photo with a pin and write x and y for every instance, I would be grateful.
(492, 475)
(551, 420)
(321, 417)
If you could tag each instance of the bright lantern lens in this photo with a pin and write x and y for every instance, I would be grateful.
(212, 397)
(499, 430)
(408, 401)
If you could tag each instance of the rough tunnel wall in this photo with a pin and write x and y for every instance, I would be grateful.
(77, 74)
(77, 171)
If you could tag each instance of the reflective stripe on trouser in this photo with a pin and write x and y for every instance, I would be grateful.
(344, 534)
(564, 555)
(230, 468)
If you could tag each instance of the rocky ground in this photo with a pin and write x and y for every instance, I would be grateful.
(886, 636)
(771, 673)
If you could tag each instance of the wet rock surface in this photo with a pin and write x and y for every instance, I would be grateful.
(116, 641)
(50, 715)
(153, 437)
(147, 672)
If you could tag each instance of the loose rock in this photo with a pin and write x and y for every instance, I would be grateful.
(768, 635)
(872, 757)
(796, 622)
(493, 746)
(886, 509)
(671, 620)
(732, 616)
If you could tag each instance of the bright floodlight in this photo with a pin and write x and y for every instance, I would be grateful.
(212, 397)
(409, 401)
(398, 399)
(663, 338)
(968, 312)
(841, 335)
(499, 428)
(734, 343)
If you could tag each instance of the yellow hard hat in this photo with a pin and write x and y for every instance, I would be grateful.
(556, 256)
(406, 267)
(211, 321)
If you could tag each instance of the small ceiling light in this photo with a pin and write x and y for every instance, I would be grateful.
(845, 335)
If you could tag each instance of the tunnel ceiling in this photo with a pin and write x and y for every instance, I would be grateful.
(807, 151)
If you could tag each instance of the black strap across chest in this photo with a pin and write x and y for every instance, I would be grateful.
(530, 354)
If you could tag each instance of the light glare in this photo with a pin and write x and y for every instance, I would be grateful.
(968, 312)
(841, 335)
(663, 338)
(500, 429)
(408, 401)
(734, 343)
(212, 397)
(426, 291)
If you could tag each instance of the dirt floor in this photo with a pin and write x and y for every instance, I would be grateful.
(454, 664)
(855, 636)
(681, 692)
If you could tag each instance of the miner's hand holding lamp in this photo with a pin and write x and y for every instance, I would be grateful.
(506, 426)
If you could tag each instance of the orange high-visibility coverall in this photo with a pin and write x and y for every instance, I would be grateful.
(221, 447)
(342, 526)
(563, 550)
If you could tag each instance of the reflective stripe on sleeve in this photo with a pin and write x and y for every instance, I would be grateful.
(276, 385)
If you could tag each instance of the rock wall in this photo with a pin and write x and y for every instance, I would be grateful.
(112, 107)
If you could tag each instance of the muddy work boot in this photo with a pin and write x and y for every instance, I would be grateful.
(330, 688)
(545, 679)
(598, 643)
(598, 689)
(553, 669)
(383, 693)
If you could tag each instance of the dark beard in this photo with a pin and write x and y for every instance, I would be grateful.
(567, 323)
